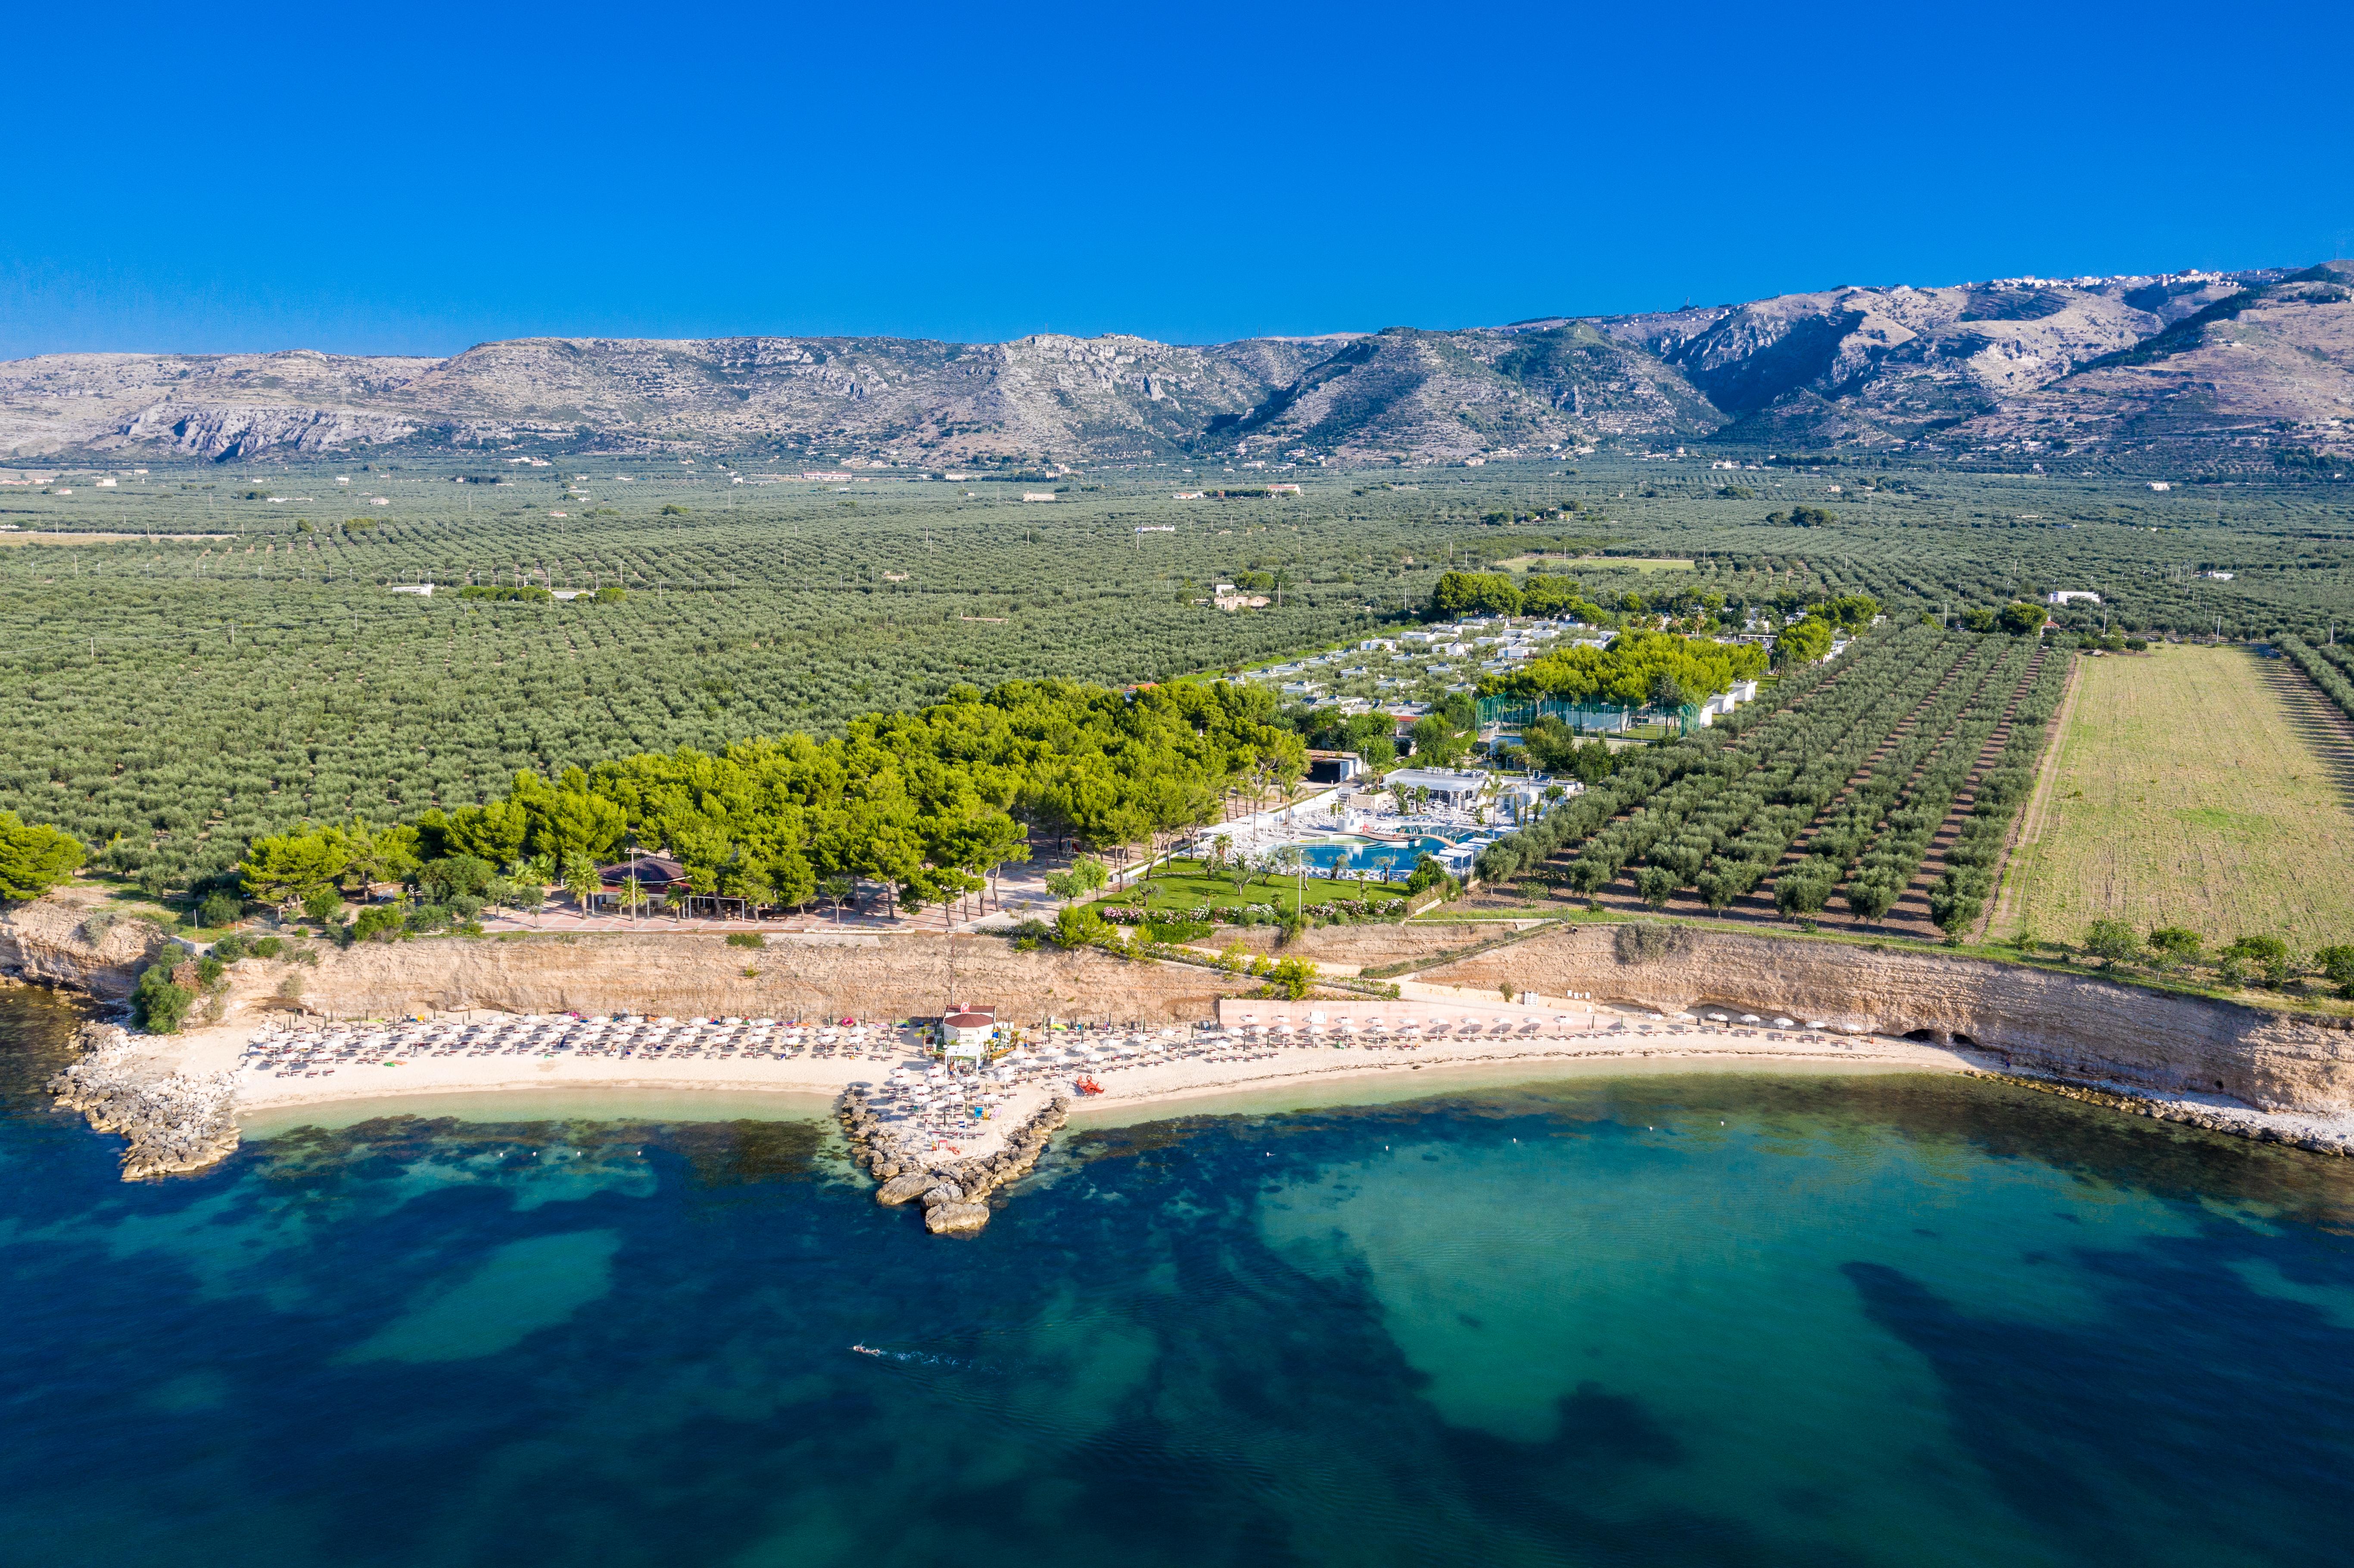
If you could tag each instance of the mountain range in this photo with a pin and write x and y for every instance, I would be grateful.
(2252, 366)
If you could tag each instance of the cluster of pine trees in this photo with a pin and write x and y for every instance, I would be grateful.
(928, 804)
(34, 857)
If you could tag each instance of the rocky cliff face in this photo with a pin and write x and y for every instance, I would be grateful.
(2264, 355)
(2271, 365)
(86, 402)
(862, 977)
(215, 432)
(2077, 1026)
(68, 939)
(1899, 364)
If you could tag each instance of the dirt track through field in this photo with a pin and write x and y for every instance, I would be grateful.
(2001, 911)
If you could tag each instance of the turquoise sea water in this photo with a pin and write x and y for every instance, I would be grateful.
(1704, 1319)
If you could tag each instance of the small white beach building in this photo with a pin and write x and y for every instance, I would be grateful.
(966, 1033)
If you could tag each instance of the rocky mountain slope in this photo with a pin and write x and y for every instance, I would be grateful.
(2252, 362)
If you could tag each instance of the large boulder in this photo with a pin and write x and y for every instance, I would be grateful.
(905, 1189)
(955, 1218)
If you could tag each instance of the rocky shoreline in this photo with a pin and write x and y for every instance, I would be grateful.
(952, 1192)
(2267, 1075)
(2209, 1113)
(174, 1124)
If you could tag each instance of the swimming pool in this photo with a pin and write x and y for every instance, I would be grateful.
(1357, 853)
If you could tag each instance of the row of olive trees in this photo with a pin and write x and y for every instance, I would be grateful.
(2325, 673)
(1722, 828)
(1847, 816)
(1887, 865)
(1637, 778)
(1961, 893)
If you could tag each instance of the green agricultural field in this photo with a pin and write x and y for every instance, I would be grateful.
(206, 652)
(2184, 789)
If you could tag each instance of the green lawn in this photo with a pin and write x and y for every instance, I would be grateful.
(1188, 887)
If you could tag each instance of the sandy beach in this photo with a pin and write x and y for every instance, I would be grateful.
(512, 1069)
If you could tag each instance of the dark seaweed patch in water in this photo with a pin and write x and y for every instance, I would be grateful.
(2193, 1397)
(2165, 1159)
(1549, 1488)
(747, 1153)
(713, 1154)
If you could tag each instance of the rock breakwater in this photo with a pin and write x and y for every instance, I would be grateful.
(172, 1123)
(2333, 1136)
(951, 1190)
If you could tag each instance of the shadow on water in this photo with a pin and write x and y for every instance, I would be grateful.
(36, 1040)
(2003, 1121)
(712, 1154)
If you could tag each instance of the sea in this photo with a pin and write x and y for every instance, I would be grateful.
(1690, 1318)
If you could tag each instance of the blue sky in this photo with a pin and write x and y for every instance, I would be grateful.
(413, 179)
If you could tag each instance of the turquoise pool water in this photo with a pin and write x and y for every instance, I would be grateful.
(1670, 1321)
(1368, 854)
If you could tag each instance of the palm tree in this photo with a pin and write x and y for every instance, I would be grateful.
(580, 879)
(674, 899)
(838, 891)
(532, 876)
(544, 874)
(1287, 860)
(633, 893)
